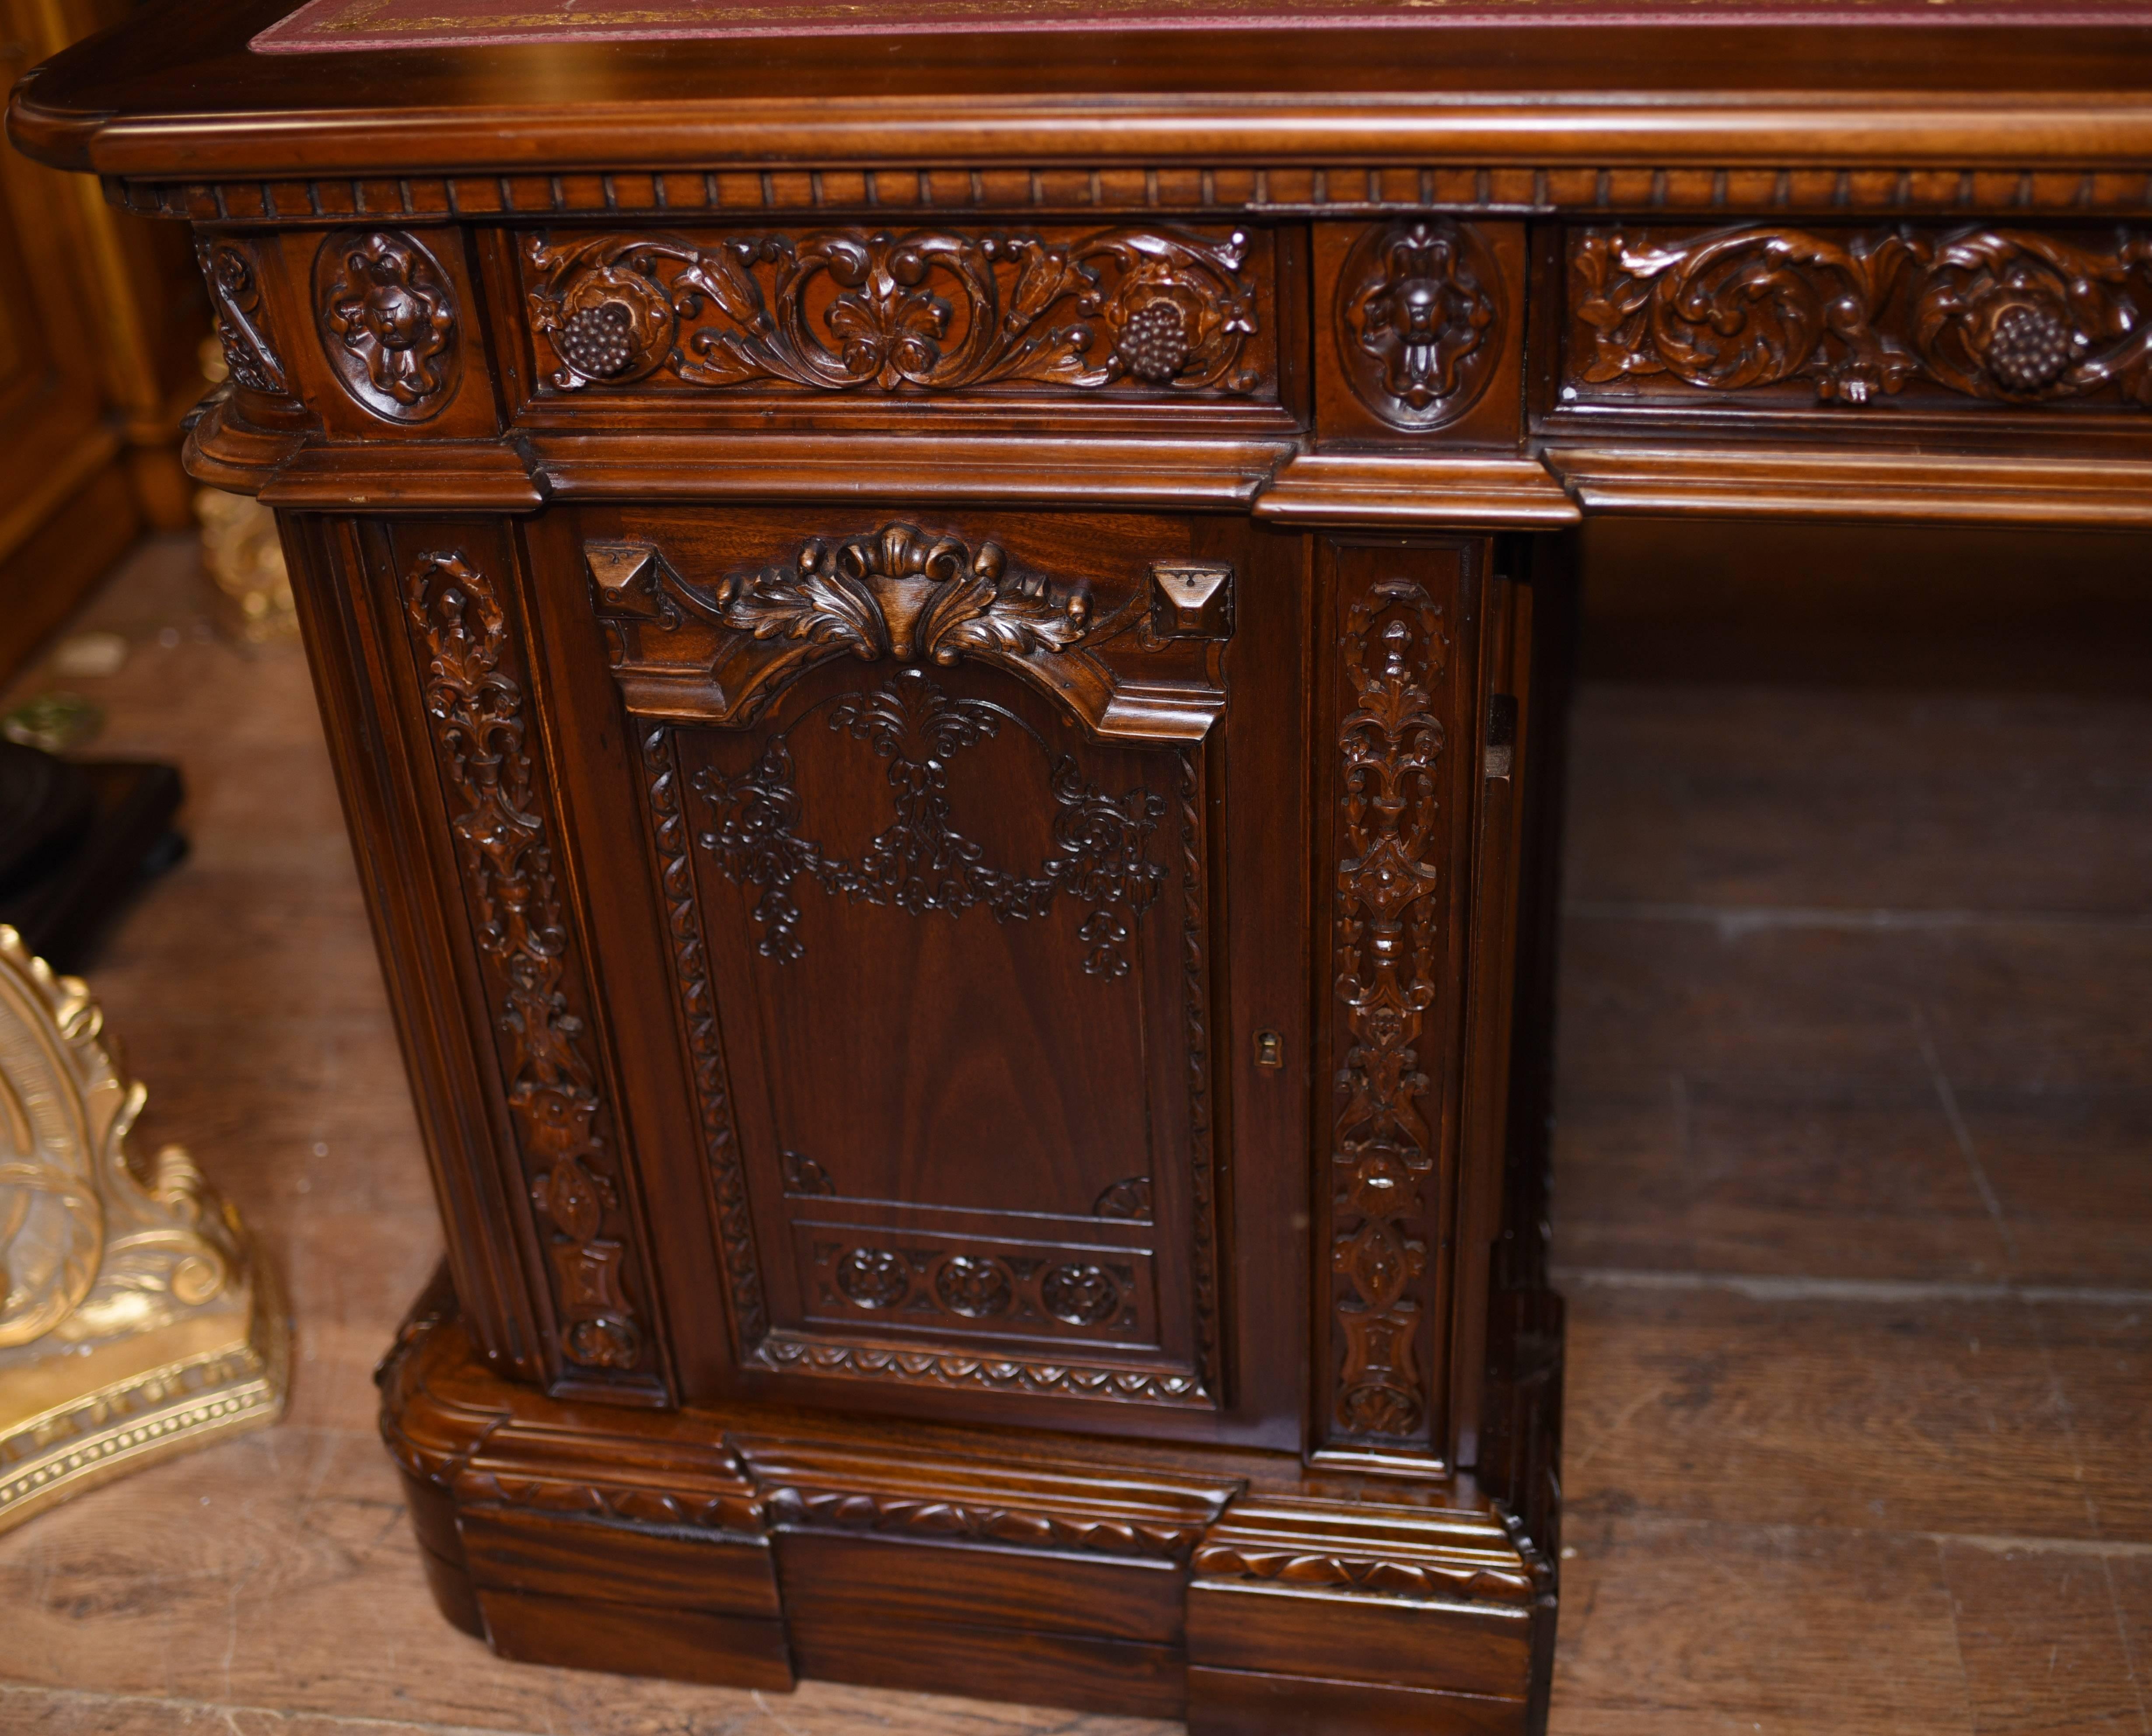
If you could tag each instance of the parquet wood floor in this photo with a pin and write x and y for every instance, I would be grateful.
(1854, 1214)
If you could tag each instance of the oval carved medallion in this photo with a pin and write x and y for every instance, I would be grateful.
(388, 320)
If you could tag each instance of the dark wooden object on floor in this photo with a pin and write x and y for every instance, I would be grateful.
(946, 715)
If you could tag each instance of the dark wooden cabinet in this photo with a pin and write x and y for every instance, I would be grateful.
(945, 654)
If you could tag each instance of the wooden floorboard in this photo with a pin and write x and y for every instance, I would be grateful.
(1854, 1208)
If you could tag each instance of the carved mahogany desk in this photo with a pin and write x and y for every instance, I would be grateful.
(942, 646)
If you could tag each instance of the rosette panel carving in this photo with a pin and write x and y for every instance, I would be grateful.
(878, 311)
(2007, 315)
(1419, 321)
(497, 815)
(984, 1290)
(388, 322)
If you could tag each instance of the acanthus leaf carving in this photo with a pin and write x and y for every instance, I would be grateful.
(234, 291)
(842, 310)
(903, 594)
(1383, 1151)
(499, 822)
(2016, 316)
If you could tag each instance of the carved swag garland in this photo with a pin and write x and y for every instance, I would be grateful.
(902, 595)
(500, 832)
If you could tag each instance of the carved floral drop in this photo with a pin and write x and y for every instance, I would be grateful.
(1382, 1155)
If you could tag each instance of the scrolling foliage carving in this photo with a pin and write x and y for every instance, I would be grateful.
(480, 728)
(2007, 315)
(235, 293)
(927, 310)
(1382, 1152)
(919, 862)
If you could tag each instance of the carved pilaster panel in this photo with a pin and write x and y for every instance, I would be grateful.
(1795, 317)
(500, 814)
(1134, 311)
(1399, 708)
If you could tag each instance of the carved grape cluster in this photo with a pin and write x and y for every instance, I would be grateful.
(597, 341)
(1154, 344)
(2028, 346)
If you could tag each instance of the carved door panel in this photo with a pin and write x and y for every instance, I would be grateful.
(929, 812)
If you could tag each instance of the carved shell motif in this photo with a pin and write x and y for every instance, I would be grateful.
(387, 323)
(903, 594)
(930, 310)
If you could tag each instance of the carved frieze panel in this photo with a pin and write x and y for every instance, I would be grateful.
(1134, 654)
(1855, 317)
(228, 268)
(877, 311)
(499, 813)
(388, 322)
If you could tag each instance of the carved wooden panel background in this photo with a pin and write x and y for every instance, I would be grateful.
(1965, 317)
(942, 952)
(1399, 747)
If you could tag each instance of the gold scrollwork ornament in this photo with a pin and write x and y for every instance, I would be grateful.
(136, 1319)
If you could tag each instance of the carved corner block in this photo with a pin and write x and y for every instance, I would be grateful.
(1420, 332)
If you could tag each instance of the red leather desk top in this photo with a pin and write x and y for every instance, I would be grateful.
(323, 26)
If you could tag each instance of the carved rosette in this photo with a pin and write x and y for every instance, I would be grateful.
(235, 292)
(499, 819)
(1382, 1153)
(1419, 321)
(388, 320)
(2007, 315)
(873, 310)
(994, 1292)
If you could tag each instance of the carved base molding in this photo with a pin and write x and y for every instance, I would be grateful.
(1235, 1590)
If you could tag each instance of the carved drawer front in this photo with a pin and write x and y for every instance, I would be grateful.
(928, 809)
(1122, 321)
(1963, 318)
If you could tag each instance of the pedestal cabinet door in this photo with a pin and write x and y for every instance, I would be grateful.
(929, 806)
